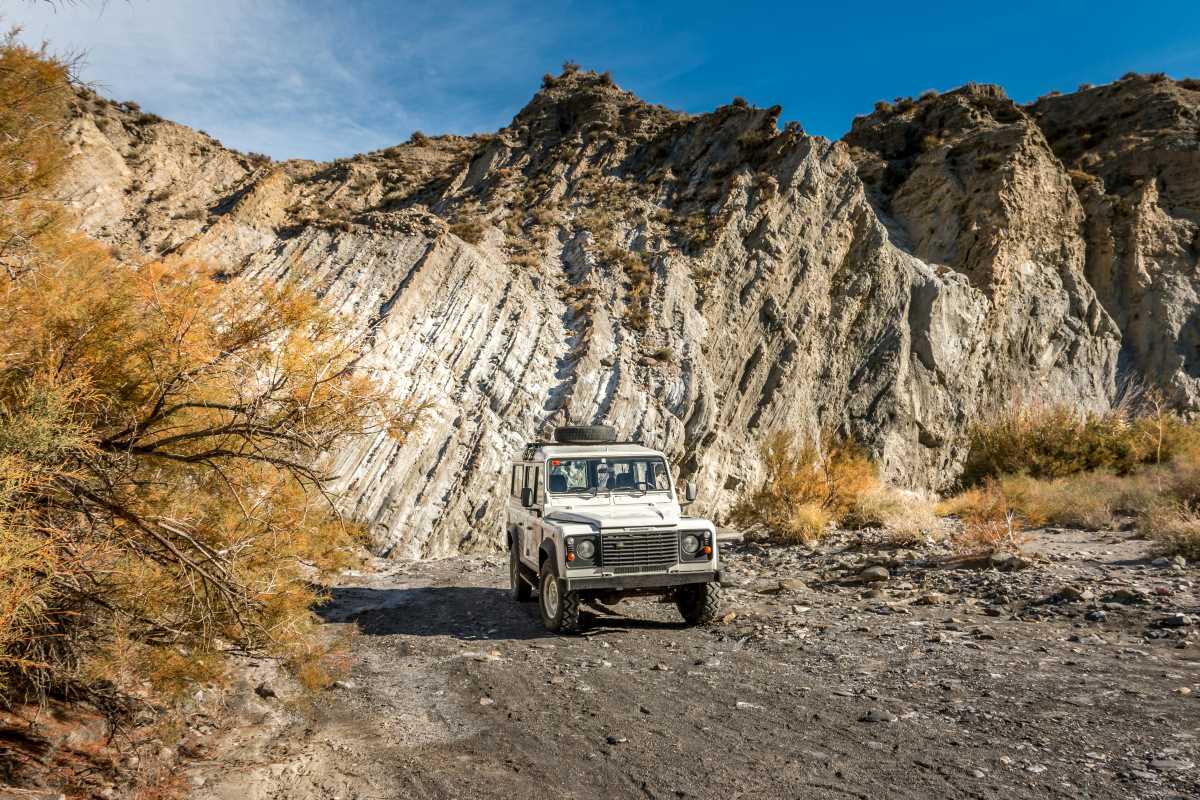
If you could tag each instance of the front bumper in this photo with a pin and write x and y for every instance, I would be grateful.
(649, 581)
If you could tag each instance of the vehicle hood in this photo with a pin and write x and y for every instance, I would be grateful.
(617, 517)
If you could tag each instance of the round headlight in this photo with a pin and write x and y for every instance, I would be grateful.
(690, 544)
(585, 548)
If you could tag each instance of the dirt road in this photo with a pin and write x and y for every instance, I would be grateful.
(1067, 678)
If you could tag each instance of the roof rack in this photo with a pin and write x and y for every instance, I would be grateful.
(531, 446)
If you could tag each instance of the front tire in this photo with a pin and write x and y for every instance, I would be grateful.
(560, 609)
(518, 587)
(699, 603)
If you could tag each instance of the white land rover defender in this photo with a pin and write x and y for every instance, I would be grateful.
(591, 519)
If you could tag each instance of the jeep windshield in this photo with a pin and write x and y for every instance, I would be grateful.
(590, 476)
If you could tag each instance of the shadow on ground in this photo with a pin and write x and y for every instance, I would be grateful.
(462, 612)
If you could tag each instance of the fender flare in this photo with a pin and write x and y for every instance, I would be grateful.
(548, 551)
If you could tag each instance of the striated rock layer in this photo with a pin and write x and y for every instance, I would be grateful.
(696, 281)
(1132, 149)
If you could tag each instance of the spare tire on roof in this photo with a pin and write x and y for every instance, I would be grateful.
(585, 434)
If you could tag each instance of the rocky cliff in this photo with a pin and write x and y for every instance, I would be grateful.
(697, 281)
(1132, 151)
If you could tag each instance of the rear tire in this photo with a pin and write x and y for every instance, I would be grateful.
(560, 609)
(698, 603)
(518, 587)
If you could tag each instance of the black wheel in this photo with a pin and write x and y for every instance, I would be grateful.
(560, 609)
(518, 587)
(698, 603)
(585, 434)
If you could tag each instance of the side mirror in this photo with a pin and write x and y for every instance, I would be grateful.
(690, 492)
(527, 497)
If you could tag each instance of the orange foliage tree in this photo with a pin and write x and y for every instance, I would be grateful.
(163, 493)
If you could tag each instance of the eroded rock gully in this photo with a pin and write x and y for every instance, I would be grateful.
(699, 281)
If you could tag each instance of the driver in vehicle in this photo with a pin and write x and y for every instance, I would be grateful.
(594, 475)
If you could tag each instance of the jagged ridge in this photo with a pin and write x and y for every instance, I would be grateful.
(698, 281)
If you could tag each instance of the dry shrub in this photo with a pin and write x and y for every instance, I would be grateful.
(34, 105)
(988, 523)
(545, 216)
(663, 354)
(1092, 499)
(804, 524)
(1174, 530)
(908, 518)
(1053, 441)
(469, 230)
(162, 495)
(1171, 517)
(1181, 481)
(165, 472)
(930, 142)
(807, 485)
(696, 231)
(1087, 500)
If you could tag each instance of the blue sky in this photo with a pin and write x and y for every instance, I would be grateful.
(302, 78)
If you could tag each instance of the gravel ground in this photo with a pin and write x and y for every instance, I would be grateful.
(1071, 672)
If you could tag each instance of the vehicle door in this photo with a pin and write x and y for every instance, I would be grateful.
(518, 515)
(533, 533)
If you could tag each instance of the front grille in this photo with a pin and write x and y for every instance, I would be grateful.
(638, 551)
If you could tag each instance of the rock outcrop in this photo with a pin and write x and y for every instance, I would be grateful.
(1132, 150)
(696, 281)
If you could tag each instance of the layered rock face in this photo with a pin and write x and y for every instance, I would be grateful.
(697, 281)
(1132, 149)
(967, 183)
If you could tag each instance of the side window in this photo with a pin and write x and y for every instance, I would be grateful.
(661, 482)
(537, 485)
(528, 478)
(514, 481)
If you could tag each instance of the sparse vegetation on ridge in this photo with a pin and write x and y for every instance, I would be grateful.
(470, 230)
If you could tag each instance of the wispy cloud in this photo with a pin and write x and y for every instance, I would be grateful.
(324, 78)
(312, 79)
(261, 75)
